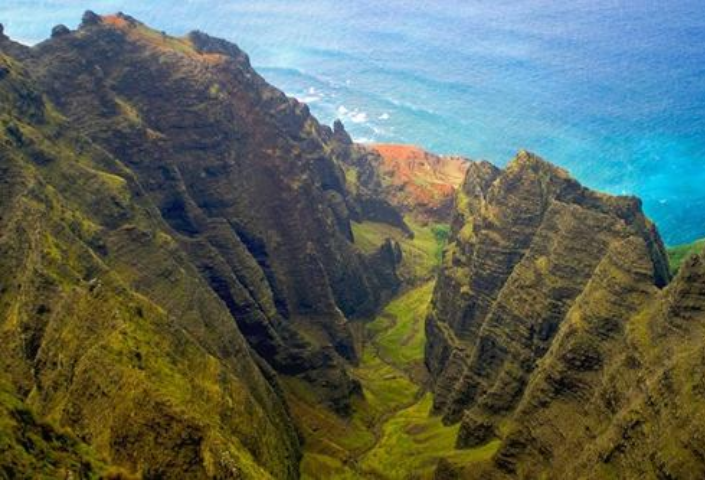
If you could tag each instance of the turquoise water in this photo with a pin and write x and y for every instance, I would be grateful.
(613, 90)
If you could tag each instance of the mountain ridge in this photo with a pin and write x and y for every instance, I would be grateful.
(551, 310)
(196, 282)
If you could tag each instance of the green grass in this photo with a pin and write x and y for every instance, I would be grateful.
(385, 387)
(401, 340)
(421, 254)
(678, 254)
(391, 433)
(413, 442)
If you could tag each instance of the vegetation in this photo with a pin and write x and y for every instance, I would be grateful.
(391, 433)
(421, 253)
(400, 338)
(34, 449)
(678, 254)
(107, 331)
(413, 442)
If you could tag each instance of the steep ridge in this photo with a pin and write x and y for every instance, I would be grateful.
(550, 330)
(620, 393)
(107, 328)
(182, 249)
(246, 178)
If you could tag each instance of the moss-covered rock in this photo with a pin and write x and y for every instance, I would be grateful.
(109, 332)
(551, 327)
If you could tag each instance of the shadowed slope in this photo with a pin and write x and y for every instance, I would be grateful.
(107, 328)
(244, 176)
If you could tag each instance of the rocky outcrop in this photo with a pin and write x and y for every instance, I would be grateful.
(365, 182)
(174, 237)
(107, 327)
(619, 392)
(525, 242)
(59, 31)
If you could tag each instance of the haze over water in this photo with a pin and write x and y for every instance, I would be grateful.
(614, 91)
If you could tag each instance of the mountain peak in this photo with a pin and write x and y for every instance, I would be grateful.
(525, 159)
(59, 31)
(90, 18)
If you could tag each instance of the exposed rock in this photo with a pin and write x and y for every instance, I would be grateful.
(90, 18)
(243, 177)
(364, 181)
(475, 432)
(524, 244)
(340, 134)
(60, 31)
(107, 326)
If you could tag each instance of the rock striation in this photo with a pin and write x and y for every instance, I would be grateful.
(174, 238)
(553, 327)
(242, 174)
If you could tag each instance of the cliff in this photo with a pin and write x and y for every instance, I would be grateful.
(552, 330)
(107, 328)
(243, 175)
(183, 249)
(174, 238)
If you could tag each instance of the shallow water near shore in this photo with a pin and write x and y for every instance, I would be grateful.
(611, 90)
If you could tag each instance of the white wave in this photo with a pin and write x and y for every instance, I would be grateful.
(342, 110)
(309, 99)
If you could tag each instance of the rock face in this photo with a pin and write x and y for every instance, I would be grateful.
(106, 325)
(550, 329)
(418, 182)
(620, 393)
(174, 236)
(242, 174)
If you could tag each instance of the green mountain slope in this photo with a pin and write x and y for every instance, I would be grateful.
(677, 255)
(555, 331)
(198, 280)
(107, 329)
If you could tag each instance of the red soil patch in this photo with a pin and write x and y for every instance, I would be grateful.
(422, 182)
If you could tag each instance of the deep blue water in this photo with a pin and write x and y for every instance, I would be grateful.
(613, 90)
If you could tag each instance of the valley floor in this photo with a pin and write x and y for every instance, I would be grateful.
(391, 434)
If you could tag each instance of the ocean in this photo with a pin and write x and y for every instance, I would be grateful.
(612, 90)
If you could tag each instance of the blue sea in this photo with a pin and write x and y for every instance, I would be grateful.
(612, 90)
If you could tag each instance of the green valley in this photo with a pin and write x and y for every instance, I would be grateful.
(199, 280)
(392, 433)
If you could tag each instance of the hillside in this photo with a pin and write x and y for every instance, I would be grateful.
(677, 255)
(200, 280)
(555, 330)
(420, 183)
